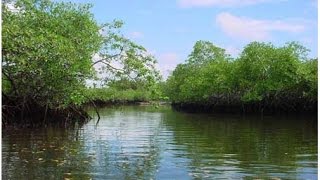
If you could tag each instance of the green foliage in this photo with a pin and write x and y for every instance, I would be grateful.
(262, 71)
(130, 70)
(127, 91)
(204, 52)
(50, 49)
(267, 70)
(204, 74)
(115, 95)
(123, 60)
(47, 50)
(308, 72)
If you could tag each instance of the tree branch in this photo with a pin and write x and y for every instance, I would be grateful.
(110, 57)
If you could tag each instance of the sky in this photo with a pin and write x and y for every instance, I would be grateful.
(168, 29)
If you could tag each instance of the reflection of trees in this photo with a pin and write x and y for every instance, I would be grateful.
(129, 142)
(51, 153)
(126, 144)
(251, 146)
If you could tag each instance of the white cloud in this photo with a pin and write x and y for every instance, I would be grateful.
(12, 7)
(233, 51)
(220, 3)
(151, 52)
(167, 62)
(101, 72)
(136, 35)
(253, 29)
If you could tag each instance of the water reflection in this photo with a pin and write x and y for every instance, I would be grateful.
(51, 153)
(220, 146)
(149, 143)
(125, 143)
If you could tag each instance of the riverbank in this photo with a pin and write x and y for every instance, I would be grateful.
(30, 114)
(310, 108)
(33, 115)
(264, 79)
(102, 103)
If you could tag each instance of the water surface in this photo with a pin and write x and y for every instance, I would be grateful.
(143, 142)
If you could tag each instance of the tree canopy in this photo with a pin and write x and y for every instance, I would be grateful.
(263, 73)
(47, 50)
(51, 48)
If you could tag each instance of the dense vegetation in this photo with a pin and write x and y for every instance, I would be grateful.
(263, 78)
(51, 49)
(126, 91)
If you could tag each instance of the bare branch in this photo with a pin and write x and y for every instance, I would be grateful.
(117, 69)
(108, 58)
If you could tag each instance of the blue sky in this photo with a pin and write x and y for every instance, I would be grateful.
(169, 28)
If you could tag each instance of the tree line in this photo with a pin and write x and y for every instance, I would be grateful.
(263, 78)
(51, 49)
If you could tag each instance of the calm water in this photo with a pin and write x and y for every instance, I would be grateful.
(147, 143)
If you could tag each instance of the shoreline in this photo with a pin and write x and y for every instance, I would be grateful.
(245, 109)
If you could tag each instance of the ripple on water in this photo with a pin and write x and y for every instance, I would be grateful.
(135, 143)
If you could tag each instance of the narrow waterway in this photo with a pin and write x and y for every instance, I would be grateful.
(144, 142)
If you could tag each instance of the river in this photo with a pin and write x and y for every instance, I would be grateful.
(144, 142)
